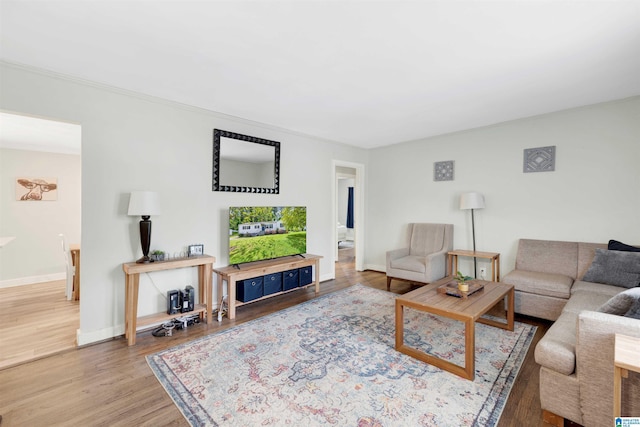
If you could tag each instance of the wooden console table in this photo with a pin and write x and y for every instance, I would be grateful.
(625, 359)
(132, 272)
(232, 274)
(494, 257)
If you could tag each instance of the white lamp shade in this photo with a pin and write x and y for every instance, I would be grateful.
(143, 203)
(471, 201)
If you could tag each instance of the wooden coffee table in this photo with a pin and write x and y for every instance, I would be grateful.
(467, 310)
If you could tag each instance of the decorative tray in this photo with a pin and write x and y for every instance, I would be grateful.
(451, 288)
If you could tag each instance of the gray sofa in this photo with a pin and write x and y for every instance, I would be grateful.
(576, 354)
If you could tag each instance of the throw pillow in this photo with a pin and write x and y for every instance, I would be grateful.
(614, 245)
(618, 268)
(634, 311)
(621, 303)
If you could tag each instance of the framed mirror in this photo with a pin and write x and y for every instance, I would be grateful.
(245, 164)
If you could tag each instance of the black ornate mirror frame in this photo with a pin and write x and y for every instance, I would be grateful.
(217, 134)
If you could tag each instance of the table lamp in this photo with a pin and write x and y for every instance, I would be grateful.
(144, 204)
(472, 201)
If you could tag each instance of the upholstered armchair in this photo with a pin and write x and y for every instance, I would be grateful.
(424, 259)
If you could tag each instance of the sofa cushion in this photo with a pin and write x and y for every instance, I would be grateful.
(599, 288)
(620, 303)
(411, 263)
(614, 245)
(617, 268)
(556, 349)
(550, 284)
(548, 256)
(584, 300)
(634, 311)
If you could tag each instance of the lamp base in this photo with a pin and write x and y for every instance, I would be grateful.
(145, 260)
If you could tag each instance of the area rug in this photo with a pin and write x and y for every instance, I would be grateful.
(331, 361)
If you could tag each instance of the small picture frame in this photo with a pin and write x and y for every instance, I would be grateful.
(195, 250)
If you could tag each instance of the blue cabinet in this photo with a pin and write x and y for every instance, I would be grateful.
(272, 283)
(305, 275)
(290, 280)
(249, 289)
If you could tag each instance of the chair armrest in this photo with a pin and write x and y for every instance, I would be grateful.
(594, 366)
(395, 254)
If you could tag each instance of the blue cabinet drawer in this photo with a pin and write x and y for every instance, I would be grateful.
(272, 283)
(305, 275)
(249, 289)
(290, 280)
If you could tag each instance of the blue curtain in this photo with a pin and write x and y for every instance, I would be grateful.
(350, 209)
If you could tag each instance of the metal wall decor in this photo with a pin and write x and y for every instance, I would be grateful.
(443, 171)
(541, 159)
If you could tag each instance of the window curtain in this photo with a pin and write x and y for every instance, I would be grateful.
(350, 208)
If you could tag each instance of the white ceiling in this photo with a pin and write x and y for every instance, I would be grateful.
(36, 134)
(366, 73)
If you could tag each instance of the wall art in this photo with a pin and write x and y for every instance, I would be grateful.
(541, 159)
(36, 189)
(443, 171)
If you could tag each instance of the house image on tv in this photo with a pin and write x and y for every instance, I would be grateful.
(253, 229)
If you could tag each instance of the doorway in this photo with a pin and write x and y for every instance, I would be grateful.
(348, 192)
(34, 150)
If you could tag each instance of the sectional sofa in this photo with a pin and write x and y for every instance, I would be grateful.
(590, 292)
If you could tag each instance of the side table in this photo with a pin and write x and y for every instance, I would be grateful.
(494, 257)
(625, 359)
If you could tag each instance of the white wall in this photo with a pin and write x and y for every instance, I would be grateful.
(140, 143)
(593, 196)
(36, 255)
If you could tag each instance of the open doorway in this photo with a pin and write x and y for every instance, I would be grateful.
(348, 213)
(40, 199)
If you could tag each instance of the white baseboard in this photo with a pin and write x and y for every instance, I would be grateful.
(376, 267)
(32, 279)
(84, 338)
(326, 277)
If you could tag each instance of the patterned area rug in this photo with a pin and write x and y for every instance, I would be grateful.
(332, 361)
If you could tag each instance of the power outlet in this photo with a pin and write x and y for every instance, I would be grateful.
(483, 273)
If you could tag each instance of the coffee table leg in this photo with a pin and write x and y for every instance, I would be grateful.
(399, 324)
(470, 349)
(510, 309)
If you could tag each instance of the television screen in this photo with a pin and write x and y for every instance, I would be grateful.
(266, 232)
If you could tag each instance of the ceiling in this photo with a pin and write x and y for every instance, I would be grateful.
(364, 73)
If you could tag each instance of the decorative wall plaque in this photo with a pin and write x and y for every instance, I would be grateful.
(443, 171)
(541, 159)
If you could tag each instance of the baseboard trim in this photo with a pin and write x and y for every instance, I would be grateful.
(84, 338)
(21, 281)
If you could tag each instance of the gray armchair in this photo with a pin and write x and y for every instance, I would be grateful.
(424, 259)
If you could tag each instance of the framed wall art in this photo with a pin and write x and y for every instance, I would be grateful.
(36, 189)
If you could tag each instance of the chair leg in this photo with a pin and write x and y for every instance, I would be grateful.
(388, 283)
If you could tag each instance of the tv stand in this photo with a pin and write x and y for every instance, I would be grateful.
(231, 274)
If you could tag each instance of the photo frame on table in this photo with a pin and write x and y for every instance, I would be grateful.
(195, 250)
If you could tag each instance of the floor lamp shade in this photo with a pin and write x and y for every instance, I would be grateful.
(144, 204)
(472, 201)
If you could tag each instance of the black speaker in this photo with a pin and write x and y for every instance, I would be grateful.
(188, 299)
(173, 302)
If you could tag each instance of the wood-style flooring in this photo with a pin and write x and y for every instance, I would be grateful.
(110, 384)
(36, 321)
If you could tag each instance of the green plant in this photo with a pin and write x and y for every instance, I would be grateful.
(157, 252)
(461, 279)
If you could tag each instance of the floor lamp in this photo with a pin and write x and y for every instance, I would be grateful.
(472, 201)
(144, 204)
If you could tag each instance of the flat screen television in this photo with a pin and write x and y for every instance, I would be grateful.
(265, 232)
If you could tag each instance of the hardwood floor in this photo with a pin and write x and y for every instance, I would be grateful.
(36, 321)
(111, 384)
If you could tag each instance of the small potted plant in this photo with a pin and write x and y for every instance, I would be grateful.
(157, 255)
(463, 286)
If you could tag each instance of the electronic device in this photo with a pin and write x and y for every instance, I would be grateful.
(173, 302)
(258, 232)
(187, 299)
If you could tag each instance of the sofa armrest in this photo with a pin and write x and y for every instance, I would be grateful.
(594, 367)
(437, 264)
